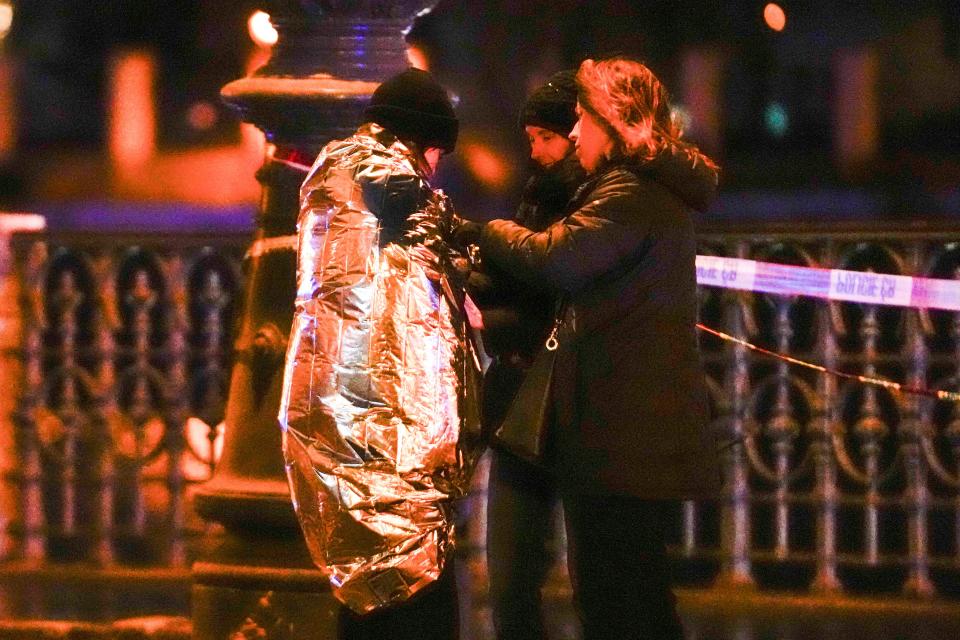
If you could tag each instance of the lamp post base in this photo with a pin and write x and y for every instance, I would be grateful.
(273, 594)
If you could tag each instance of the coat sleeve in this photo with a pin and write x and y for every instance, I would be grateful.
(605, 234)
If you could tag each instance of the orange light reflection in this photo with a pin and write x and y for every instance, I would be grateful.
(775, 17)
(486, 165)
(417, 58)
(132, 137)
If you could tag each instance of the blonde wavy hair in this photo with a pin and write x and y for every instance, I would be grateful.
(632, 103)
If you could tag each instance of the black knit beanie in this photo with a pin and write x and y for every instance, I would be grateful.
(413, 106)
(553, 105)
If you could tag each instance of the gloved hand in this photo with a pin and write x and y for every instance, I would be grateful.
(466, 232)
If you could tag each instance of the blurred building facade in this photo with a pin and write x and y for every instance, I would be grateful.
(118, 318)
(857, 100)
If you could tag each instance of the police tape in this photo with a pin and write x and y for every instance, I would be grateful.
(832, 284)
(939, 394)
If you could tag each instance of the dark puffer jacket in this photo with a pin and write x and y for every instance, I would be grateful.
(629, 392)
(517, 314)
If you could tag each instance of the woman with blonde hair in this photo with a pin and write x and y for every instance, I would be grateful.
(629, 431)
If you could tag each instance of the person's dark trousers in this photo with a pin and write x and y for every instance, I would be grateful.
(520, 504)
(617, 558)
(430, 614)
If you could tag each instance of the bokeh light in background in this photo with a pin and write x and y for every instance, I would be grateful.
(776, 119)
(488, 166)
(261, 29)
(775, 17)
(202, 115)
(132, 114)
(6, 18)
(417, 58)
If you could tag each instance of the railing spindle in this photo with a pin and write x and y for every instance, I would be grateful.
(783, 429)
(214, 299)
(871, 429)
(108, 410)
(67, 299)
(952, 432)
(823, 427)
(178, 404)
(34, 322)
(735, 508)
(916, 497)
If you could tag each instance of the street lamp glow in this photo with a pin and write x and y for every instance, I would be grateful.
(6, 18)
(261, 29)
(775, 17)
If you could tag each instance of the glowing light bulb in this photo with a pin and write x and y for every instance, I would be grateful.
(261, 29)
(775, 17)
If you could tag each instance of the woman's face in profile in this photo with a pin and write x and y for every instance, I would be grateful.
(546, 147)
(591, 140)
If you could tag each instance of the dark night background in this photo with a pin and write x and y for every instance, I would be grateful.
(850, 114)
(776, 126)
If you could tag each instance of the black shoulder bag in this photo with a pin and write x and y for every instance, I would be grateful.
(523, 431)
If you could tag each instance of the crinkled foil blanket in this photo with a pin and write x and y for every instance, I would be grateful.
(379, 409)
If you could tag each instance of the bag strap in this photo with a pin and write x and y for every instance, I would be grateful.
(552, 343)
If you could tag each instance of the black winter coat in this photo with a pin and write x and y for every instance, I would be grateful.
(629, 392)
(516, 315)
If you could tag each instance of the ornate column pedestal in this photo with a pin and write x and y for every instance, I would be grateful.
(259, 581)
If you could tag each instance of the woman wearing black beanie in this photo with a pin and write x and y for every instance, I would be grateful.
(377, 428)
(415, 108)
(521, 497)
(630, 433)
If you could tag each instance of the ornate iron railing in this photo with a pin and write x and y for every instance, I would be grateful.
(125, 361)
(829, 485)
(840, 485)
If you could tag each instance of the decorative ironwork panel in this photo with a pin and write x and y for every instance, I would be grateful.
(126, 349)
(828, 484)
(832, 484)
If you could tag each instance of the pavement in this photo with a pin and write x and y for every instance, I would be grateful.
(725, 615)
(127, 605)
